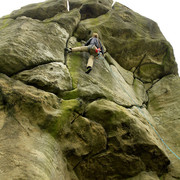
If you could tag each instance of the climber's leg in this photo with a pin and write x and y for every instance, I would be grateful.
(77, 49)
(90, 64)
(80, 49)
(90, 61)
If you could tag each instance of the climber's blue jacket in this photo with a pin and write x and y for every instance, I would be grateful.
(96, 42)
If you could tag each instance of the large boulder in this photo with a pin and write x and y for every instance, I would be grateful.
(132, 146)
(81, 138)
(53, 77)
(41, 10)
(164, 105)
(27, 102)
(134, 41)
(26, 43)
(68, 20)
(26, 151)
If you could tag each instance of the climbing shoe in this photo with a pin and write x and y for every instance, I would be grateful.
(68, 50)
(89, 68)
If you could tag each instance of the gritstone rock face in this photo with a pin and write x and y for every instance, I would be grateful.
(59, 123)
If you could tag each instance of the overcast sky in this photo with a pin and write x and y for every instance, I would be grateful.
(165, 12)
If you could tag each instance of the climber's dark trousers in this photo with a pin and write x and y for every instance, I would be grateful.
(86, 49)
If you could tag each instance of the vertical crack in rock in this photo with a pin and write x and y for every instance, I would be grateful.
(139, 65)
(65, 53)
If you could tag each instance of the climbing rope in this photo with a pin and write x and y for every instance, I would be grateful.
(178, 157)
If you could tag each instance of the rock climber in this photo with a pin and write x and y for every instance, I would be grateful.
(93, 46)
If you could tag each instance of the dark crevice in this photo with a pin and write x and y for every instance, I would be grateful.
(83, 158)
(65, 53)
(21, 126)
(3, 99)
(140, 107)
(119, 104)
(90, 155)
(139, 63)
(147, 91)
(176, 177)
(41, 88)
(32, 67)
(44, 88)
(145, 104)
(157, 80)
(75, 118)
(127, 106)
(138, 78)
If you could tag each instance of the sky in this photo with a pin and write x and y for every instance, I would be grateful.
(165, 12)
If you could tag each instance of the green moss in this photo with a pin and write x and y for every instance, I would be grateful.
(74, 62)
(6, 17)
(53, 19)
(70, 94)
(93, 22)
(162, 177)
(4, 24)
(68, 110)
(108, 114)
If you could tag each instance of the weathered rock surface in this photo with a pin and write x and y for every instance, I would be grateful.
(141, 46)
(28, 101)
(26, 152)
(68, 20)
(91, 8)
(35, 156)
(78, 3)
(53, 77)
(126, 141)
(41, 10)
(26, 43)
(164, 105)
(57, 122)
(81, 139)
(145, 176)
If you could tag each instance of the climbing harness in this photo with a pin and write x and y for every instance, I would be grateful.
(98, 50)
(178, 157)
